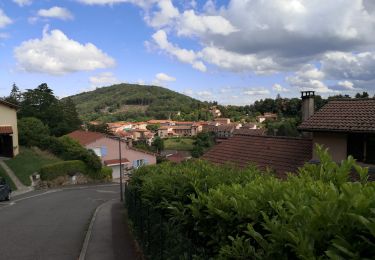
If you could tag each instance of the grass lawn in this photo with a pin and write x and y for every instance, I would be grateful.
(28, 161)
(180, 144)
(8, 180)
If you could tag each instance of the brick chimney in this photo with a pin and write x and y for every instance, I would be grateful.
(308, 105)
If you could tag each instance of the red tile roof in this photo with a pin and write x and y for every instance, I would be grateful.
(260, 131)
(346, 115)
(6, 130)
(85, 137)
(283, 154)
(5, 103)
(116, 161)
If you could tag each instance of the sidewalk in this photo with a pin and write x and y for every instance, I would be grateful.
(19, 185)
(110, 238)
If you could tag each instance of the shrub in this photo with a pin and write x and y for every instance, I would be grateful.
(52, 171)
(68, 149)
(203, 211)
(106, 173)
(31, 131)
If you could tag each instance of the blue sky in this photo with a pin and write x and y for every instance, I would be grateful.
(232, 51)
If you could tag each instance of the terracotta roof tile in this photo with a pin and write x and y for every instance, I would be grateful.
(5, 103)
(85, 137)
(279, 153)
(347, 115)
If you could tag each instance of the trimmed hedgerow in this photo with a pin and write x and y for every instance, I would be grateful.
(52, 171)
(196, 210)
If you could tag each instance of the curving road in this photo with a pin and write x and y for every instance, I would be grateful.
(50, 224)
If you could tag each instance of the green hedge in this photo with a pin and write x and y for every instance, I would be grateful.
(52, 171)
(196, 210)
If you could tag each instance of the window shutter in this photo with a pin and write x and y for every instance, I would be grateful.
(104, 151)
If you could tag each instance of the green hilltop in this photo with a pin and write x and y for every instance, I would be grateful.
(137, 102)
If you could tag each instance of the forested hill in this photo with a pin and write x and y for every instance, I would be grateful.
(136, 102)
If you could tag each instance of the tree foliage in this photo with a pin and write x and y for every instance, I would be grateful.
(31, 130)
(61, 117)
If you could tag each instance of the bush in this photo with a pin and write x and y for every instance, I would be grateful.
(31, 131)
(203, 211)
(106, 173)
(52, 171)
(68, 149)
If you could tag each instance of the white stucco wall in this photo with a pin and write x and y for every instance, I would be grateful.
(335, 142)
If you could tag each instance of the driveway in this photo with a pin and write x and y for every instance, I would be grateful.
(50, 224)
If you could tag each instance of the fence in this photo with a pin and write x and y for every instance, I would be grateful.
(155, 233)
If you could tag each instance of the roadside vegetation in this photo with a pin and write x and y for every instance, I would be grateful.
(196, 210)
(8, 180)
(29, 161)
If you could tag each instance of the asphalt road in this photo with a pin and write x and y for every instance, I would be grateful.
(50, 224)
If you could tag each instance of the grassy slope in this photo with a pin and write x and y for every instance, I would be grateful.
(8, 180)
(181, 144)
(28, 162)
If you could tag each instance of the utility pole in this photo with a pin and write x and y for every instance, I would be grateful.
(120, 159)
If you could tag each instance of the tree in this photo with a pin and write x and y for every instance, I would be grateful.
(363, 95)
(31, 131)
(158, 143)
(153, 128)
(60, 116)
(14, 96)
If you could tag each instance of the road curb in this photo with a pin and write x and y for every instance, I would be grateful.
(82, 255)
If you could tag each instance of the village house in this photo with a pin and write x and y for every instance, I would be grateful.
(107, 149)
(215, 112)
(222, 121)
(179, 130)
(8, 130)
(267, 117)
(344, 126)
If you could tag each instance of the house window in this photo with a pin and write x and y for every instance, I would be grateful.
(139, 163)
(362, 147)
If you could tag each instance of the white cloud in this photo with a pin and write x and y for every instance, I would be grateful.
(56, 54)
(256, 91)
(56, 12)
(183, 55)
(4, 19)
(103, 79)
(164, 77)
(238, 62)
(165, 14)
(204, 94)
(309, 78)
(142, 3)
(191, 24)
(23, 2)
(279, 88)
(346, 85)
(188, 92)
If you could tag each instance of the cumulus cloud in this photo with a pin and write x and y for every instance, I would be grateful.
(256, 91)
(4, 19)
(279, 88)
(103, 79)
(56, 54)
(56, 12)
(191, 24)
(164, 77)
(187, 56)
(309, 78)
(23, 2)
(164, 15)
